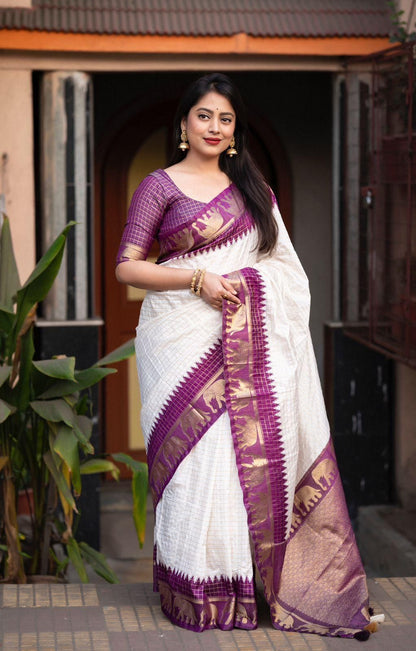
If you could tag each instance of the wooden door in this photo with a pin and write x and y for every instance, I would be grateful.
(139, 148)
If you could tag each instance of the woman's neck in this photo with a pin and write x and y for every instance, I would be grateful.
(198, 165)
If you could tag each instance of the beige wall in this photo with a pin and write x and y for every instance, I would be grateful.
(16, 142)
(405, 435)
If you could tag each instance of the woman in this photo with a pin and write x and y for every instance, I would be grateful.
(235, 427)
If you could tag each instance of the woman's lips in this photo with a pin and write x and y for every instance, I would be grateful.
(212, 141)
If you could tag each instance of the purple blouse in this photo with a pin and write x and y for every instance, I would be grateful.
(157, 208)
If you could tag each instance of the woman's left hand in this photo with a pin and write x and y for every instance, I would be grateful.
(216, 289)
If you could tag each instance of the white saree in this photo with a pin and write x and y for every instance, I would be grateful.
(238, 440)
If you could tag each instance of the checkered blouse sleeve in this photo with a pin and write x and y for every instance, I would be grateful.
(145, 215)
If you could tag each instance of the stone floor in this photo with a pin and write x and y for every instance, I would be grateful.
(102, 617)
(127, 617)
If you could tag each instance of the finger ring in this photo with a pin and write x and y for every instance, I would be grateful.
(225, 296)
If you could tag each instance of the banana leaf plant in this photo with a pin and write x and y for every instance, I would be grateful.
(45, 431)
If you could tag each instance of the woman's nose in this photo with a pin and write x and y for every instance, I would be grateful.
(214, 125)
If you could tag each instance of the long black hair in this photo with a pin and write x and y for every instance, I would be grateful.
(241, 169)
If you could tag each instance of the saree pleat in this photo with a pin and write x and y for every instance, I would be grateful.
(238, 442)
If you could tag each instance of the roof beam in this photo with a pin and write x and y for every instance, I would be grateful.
(240, 44)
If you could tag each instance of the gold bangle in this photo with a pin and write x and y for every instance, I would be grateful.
(200, 281)
(193, 281)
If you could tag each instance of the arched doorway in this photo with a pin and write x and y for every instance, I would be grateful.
(135, 148)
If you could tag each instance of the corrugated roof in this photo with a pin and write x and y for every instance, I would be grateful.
(305, 18)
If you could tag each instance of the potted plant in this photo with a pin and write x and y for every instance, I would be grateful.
(45, 430)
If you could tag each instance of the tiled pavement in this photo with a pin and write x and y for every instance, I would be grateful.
(101, 617)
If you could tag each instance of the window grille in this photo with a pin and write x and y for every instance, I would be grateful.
(384, 299)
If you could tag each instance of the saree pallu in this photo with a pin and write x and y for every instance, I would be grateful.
(238, 441)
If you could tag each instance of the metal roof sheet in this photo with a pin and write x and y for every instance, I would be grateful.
(264, 18)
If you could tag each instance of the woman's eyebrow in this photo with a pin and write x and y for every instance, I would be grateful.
(202, 108)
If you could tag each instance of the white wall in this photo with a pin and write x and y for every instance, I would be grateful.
(16, 152)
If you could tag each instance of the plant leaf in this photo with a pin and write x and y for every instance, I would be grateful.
(140, 484)
(75, 557)
(5, 410)
(83, 380)
(54, 410)
(94, 466)
(40, 281)
(83, 430)
(98, 563)
(131, 463)
(4, 373)
(66, 447)
(122, 352)
(59, 410)
(7, 318)
(61, 368)
(9, 276)
(23, 387)
(139, 488)
(59, 479)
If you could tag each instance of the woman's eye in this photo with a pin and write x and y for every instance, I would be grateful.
(203, 116)
(227, 120)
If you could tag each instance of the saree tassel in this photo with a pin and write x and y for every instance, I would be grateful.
(372, 627)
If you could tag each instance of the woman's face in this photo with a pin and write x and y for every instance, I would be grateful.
(210, 125)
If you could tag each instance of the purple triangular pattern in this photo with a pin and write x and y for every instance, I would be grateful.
(209, 366)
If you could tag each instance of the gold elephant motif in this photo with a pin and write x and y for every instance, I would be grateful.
(209, 223)
(325, 473)
(246, 431)
(185, 611)
(296, 521)
(241, 614)
(236, 323)
(172, 450)
(181, 241)
(165, 596)
(194, 421)
(305, 498)
(214, 395)
(210, 615)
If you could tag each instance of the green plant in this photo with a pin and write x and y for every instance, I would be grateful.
(45, 430)
(401, 32)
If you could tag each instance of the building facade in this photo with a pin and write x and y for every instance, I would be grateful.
(88, 94)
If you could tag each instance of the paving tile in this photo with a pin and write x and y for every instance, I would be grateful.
(128, 617)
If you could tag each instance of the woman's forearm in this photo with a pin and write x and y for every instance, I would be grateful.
(147, 275)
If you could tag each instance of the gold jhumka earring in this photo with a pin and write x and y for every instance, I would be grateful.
(231, 151)
(183, 145)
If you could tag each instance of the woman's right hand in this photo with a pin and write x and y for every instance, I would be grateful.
(216, 289)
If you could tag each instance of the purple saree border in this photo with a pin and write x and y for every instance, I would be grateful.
(255, 426)
(321, 475)
(268, 403)
(321, 482)
(222, 221)
(201, 604)
(169, 430)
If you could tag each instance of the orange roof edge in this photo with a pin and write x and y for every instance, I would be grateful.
(42, 41)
